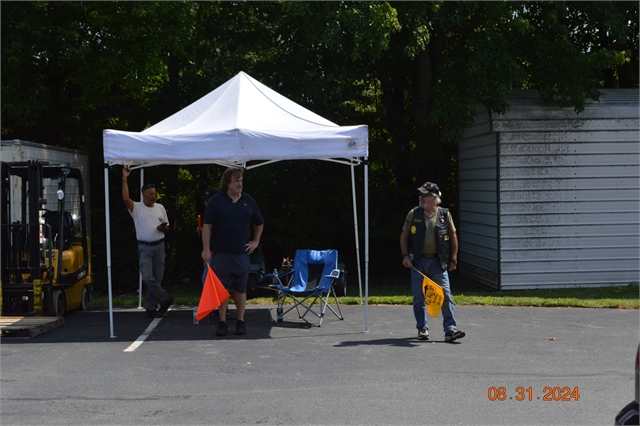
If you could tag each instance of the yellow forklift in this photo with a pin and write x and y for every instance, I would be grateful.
(45, 257)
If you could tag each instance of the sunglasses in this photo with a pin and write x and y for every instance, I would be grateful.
(426, 195)
(147, 186)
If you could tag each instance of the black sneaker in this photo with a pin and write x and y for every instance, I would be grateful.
(222, 329)
(453, 334)
(152, 313)
(165, 305)
(241, 328)
(423, 334)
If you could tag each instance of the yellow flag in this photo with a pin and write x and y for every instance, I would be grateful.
(433, 296)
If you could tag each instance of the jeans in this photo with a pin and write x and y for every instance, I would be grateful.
(432, 269)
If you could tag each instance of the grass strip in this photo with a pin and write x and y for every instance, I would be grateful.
(623, 297)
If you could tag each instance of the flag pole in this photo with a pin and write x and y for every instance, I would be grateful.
(430, 280)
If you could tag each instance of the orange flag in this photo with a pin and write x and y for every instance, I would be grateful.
(213, 294)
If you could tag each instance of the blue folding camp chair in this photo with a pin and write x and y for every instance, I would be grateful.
(314, 275)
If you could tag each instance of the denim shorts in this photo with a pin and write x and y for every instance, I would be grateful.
(233, 270)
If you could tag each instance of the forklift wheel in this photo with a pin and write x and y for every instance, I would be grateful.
(86, 298)
(59, 303)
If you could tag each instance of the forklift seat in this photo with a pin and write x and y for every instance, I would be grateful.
(52, 218)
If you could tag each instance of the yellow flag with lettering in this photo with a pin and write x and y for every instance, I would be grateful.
(433, 296)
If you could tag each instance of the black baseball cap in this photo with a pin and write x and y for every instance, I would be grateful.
(207, 195)
(430, 188)
(147, 186)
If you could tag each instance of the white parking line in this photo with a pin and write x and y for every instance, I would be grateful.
(135, 345)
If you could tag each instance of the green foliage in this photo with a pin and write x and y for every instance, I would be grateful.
(412, 71)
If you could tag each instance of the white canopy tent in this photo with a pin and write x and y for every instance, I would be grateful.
(241, 121)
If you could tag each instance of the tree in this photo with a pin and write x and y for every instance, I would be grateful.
(412, 71)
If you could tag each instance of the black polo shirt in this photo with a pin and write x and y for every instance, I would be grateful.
(231, 222)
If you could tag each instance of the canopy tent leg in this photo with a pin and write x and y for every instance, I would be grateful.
(366, 244)
(108, 230)
(355, 227)
(140, 272)
(366, 241)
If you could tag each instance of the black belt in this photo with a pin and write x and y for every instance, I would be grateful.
(150, 243)
(429, 256)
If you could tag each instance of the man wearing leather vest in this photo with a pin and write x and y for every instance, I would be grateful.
(429, 244)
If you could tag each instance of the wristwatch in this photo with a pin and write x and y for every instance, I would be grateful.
(455, 262)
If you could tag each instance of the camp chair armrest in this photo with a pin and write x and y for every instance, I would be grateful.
(281, 277)
(335, 274)
(280, 274)
(332, 277)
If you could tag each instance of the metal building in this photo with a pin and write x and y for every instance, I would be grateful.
(549, 198)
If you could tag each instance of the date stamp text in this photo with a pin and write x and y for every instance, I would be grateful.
(521, 393)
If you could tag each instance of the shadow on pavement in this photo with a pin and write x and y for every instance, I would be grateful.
(403, 342)
(93, 325)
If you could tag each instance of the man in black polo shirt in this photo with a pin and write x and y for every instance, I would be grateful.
(226, 231)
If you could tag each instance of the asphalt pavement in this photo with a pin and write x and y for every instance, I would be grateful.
(542, 366)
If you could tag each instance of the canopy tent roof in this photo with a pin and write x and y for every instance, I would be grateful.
(240, 121)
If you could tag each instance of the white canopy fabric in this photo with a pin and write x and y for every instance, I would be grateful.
(241, 121)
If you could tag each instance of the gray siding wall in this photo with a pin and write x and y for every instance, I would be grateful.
(477, 225)
(568, 193)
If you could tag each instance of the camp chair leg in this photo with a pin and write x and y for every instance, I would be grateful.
(312, 282)
(308, 308)
(281, 311)
(327, 305)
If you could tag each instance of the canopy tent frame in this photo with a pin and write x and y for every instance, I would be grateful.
(355, 162)
(242, 121)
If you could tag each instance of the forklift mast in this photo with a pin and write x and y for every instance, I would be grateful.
(45, 253)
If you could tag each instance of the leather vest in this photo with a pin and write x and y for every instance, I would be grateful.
(416, 239)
